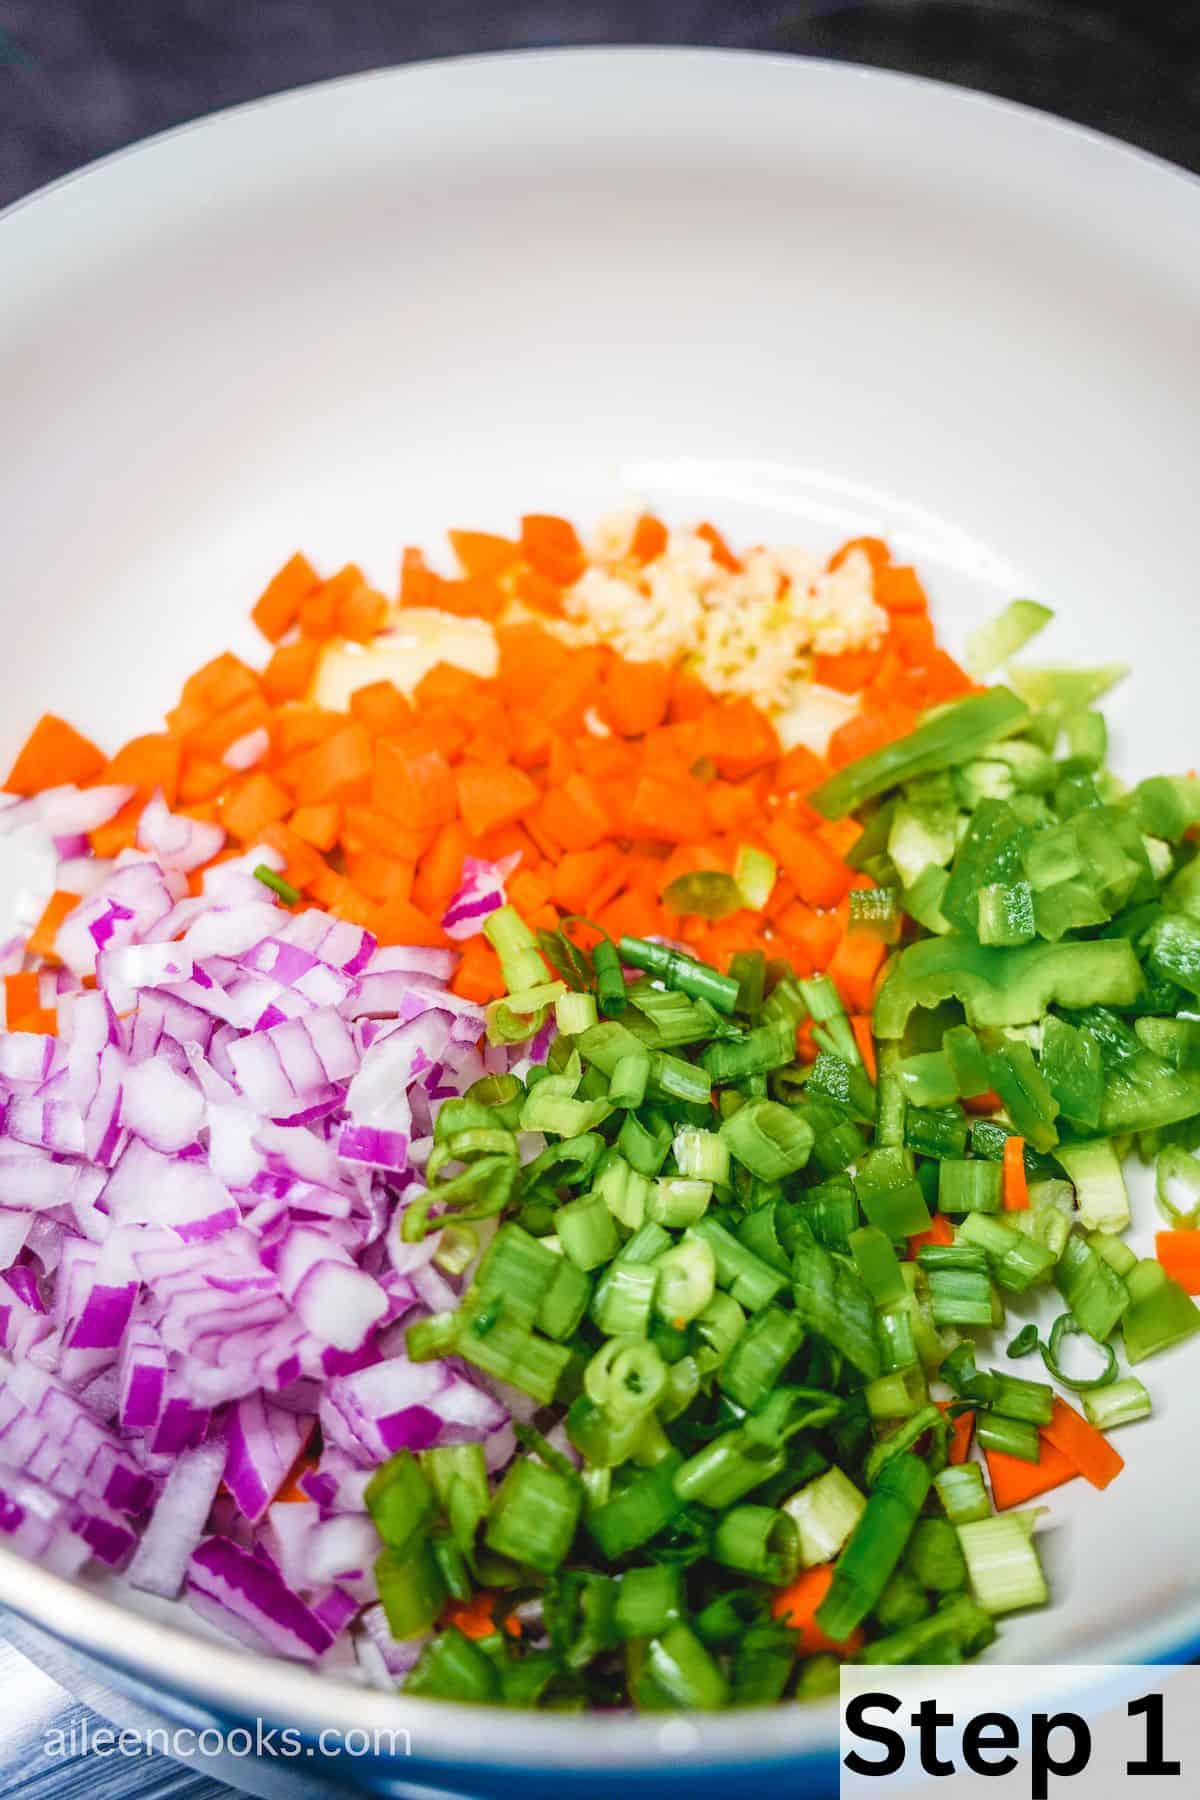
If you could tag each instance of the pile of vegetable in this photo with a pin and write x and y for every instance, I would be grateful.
(548, 1272)
(735, 1277)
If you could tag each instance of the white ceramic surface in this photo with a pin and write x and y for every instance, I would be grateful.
(803, 300)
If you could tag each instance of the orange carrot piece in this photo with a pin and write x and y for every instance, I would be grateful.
(864, 1037)
(338, 769)
(482, 553)
(539, 592)
(440, 867)
(119, 833)
(722, 555)
(213, 689)
(42, 938)
(148, 763)
(304, 864)
(21, 996)
(363, 828)
(1087, 1449)
(940, 1232)
(478, 976)
(418, 583)
(317, 825)
(958, 1442)
(413, 784)
(318, 614)
(381, 709)
(361, 613)
(212, 736)
(819, 878)
(338, 895)
(911, 637)
(492, 794)
(849, 672)
(796, 1607)
(670, 811)
(278, 606)
(649, 539)
(476, 1617)
(1179, 1254)
(527, 892)
(201, 778)
(853, 968)
(53, 755)
(873, 548)
(1015, 1184)
(1014, 1481)
(400, 922)
(380, 877)
(737, 738)
(474, 597)
(574, 814)
(552, 547)
(897, 590)
(635, 697)
(248, 806)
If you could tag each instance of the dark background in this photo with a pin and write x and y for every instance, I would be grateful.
(81, 77)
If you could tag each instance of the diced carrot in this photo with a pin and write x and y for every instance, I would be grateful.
(317, 825)
(295, 729)
(339, 769)
(482, 553)
(649, 539)
(1015, 1184)
(201, 778)
(1087, 1449)
(940, 1232)
(491, 794)
(337, 894)
(290, 671)
(318, 613)
(690, 699)
(1179, 1254)
(400, 922)
(53, 755)
(305, 866)
(120, 832)
(220, 684)
(801, 769)
(873, 548)
(539, 592)
(248, 807)
(381, 709)
(363, 828)
(380, 877)
(413, 784)
(849, 672)
(148, 763)
(796, 1607)
(942, 679)
(361, 613)
(574, 815)
(476, 1617)
(864, 1037)
(552, 546)
(864, 733)
(819, 878)
(737, 738)
(853, 968)
(958, 1441)
(635, 697)
(474, 597)
(722, 555)
(21, 995)
(1014, 1482)
(418, 583)
(42, 939)
(911, 636)
(478, 976)
(897, 590)
(212, 736)
(440, 869)
(527, 892)
(278, 606)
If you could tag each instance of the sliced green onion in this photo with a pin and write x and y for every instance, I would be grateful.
(675, 970)
(758, 1052)
(759, 1541)
(1117, 1404)
(1002, 1564)
(1015, 1437)
(677, 1200)
(718, 1328)
(515, 944)
(727, 1468)
(760, 1354)
(533, 1515)
(1176, 1164)
(685, 1672)
(934, 1556)
(875, 1545)
(587, 1231)
(626, 1375)
(610, 980)
(686, 1278)
(890, 1194)
(1160, 1312)
(825, 1512)
(624, 1297)
(752, 1282)
(287, 893)
(648, 1601)
(400, 1500)
(638, 1511)
(452, 1667)
(962, 1493)
(1063, 1326)
(574, 1013)
(410, 1586)
(878, 1265)
(770, 1140)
